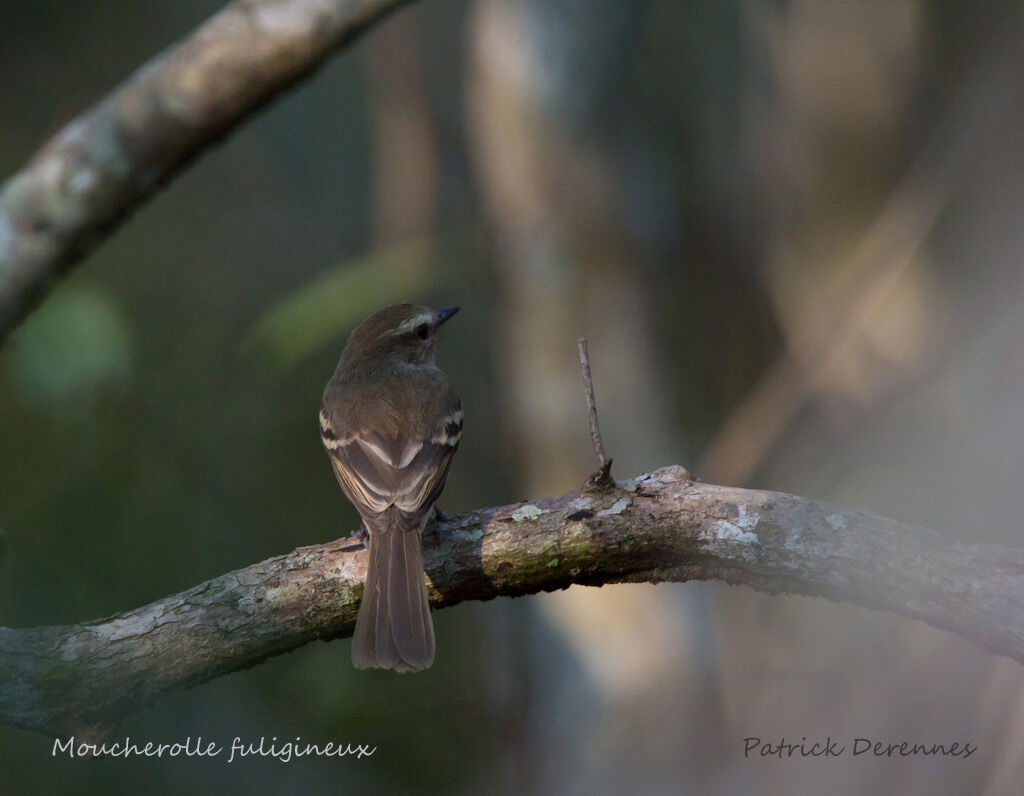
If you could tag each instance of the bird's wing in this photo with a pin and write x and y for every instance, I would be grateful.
(376, 471)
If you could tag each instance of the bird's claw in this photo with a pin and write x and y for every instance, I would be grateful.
(363, 536)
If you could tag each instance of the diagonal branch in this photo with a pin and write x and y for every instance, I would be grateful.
(661, 526)
(108, 161)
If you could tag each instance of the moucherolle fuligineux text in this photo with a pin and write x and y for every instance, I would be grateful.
(391, 423)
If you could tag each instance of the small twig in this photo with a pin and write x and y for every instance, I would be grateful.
(588, 388)
(602, 478)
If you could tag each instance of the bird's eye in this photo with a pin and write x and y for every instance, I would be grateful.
(422, 331)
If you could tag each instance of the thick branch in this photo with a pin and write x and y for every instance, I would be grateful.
(109, 160)
(661, 526)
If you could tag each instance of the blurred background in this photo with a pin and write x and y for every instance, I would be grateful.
(791, 231)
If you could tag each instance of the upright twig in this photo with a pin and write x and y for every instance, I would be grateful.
(602, 478)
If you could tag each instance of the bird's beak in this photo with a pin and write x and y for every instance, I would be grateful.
(444, 315)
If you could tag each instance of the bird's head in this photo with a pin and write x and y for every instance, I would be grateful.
(399, 334)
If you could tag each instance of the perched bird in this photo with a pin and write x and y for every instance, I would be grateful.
(391, 422)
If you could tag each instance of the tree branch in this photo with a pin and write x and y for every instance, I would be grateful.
(109, 160)
(662, 526)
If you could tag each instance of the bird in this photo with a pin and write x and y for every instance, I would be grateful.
(391, 422)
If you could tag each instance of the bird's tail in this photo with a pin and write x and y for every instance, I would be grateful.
(394, 629)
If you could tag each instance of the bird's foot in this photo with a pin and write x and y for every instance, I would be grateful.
(433, 522)
(363, 536)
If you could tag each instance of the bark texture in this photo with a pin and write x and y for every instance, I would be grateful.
(661, 526)
(109, 160)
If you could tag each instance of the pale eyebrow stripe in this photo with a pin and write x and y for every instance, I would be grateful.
(412, 323)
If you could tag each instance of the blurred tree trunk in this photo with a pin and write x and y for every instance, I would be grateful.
(540, 79)
(406, 161)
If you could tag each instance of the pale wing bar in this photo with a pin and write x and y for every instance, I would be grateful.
(376, 472)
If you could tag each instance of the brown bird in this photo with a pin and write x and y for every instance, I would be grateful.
(391, 422)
